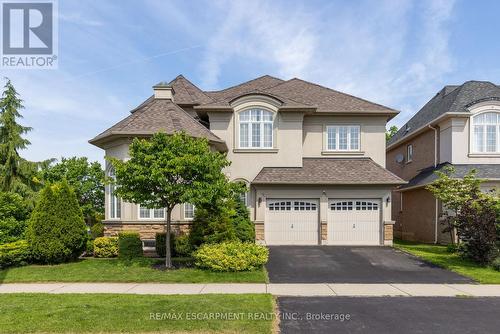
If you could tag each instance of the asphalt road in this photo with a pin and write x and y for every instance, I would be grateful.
(340, 264)
(387, 315)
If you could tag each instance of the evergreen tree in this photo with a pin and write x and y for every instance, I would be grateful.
(12, 166)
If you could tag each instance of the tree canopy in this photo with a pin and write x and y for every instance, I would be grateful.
(167, 170)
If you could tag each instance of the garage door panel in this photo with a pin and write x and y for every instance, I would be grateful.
(354, 222)
(291, 222)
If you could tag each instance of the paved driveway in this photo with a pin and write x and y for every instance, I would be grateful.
(389, 315)
(338, 264)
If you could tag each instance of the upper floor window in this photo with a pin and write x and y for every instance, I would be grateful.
(409, 153)
(256, 128)
(342, 137)
(115, 206)
(486, 133)
(188, 211)
(145, 213)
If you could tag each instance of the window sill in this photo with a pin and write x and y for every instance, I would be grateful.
(255, 150)
(342, 153)
(484, 155)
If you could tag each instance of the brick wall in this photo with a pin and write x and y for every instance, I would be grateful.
(423, 156)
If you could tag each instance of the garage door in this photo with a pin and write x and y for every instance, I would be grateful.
(353, 222)
(291, 222)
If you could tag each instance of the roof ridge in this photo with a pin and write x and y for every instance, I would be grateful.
(338, 91)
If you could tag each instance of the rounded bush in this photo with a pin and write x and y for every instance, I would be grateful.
(89, 251)
(106, 247)
(56, 230)
(129, 245)
(231, 256)
(182, 246)
(161, 246)
(14, 254)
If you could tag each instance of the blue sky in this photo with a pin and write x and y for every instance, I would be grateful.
(398, 53)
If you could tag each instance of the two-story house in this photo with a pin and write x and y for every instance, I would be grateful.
(459, 127)
(313, 158)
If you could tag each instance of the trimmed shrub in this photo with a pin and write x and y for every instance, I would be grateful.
(11, 230)
(212, 225)
(56, 230)
(243, 226)
(97, 230)
(129, 245)
(231, 256)
(14, 254)
(182, 246)
(89, 250)
(160, 244)
(106, 247)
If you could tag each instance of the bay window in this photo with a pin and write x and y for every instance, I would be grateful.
(256, 128)
(342, 137)
(486, 133)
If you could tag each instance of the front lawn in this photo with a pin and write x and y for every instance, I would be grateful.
(109, 313)
(438, 255)
(113, 270)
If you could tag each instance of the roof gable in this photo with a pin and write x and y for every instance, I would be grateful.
(453, 99)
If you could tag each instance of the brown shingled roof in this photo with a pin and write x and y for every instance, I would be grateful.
(327, 99)
(260, 83)
(157, 115)
(187, 93)
(329, 171)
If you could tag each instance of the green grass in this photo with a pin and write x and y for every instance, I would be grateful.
(113, 270)
(438, 255)
(109, 313)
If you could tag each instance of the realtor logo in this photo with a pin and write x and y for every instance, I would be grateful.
(29, 34)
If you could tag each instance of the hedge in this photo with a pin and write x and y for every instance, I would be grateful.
(129, 245)
(14, 254)
(106, 247)
(231, 256)
(179, 245)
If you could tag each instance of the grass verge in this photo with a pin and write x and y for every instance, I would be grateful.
(108, 313)
(438, 255)
(114, 270)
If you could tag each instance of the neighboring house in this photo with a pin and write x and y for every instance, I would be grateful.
(458, 127)
(313, 158)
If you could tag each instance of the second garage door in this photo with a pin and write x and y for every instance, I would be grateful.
(291, 222)
(353, 222)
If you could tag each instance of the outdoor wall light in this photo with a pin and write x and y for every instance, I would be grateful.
(388, 199)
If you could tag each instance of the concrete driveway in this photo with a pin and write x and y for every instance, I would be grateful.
(389, 315)
(339, 264)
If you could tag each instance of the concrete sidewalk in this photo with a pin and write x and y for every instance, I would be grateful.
(306, 290)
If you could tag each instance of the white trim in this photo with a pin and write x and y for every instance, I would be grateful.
(472, 137)
(184, 211)
(151, 214)
(261, 126)
(409, 153)
(337, 138)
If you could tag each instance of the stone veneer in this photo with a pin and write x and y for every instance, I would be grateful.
(259, 231)
(146, 230)
(388, 234)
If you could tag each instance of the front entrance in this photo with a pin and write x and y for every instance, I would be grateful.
(291, 222)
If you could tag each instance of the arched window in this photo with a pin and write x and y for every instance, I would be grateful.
(115, 206)
(256, 128)
(486, 133)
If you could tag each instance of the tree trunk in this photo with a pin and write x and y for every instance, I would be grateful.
(168, 255)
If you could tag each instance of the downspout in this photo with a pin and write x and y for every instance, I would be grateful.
(436, 214)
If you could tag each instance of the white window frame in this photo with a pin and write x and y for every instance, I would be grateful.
(114, 201)
(474, 149)
(409, 153)
(251, 124)
(185, 207)
(151, 214)
(337, 138)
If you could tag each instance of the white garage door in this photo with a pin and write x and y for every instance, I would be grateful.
(353, 222)
(291, 222)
